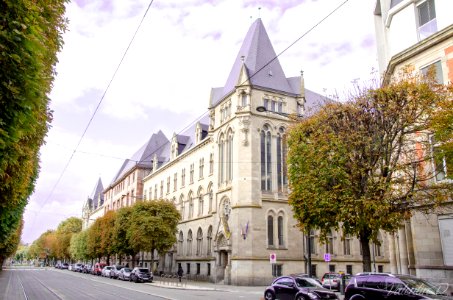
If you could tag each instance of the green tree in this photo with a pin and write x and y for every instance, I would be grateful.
(363, 165)
(153, 226)
(94, 249)
(65, 230)
(30, 37)
(106, 225)
(78, 247)
(44, 247)
(10, 244)
(120, 243)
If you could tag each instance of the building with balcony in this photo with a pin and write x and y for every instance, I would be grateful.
(419, 33)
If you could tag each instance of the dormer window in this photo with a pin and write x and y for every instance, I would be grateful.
(244, 101)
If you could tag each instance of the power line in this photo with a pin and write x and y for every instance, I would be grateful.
(196, 120)
(97, 108)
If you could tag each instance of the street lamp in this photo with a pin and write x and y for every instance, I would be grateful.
(264, 109)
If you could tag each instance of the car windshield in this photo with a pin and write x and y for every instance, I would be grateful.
(143, 270)
(308, 283)
(420, 286)
(126, 270)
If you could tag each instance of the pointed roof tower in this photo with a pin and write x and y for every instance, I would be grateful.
(261, 64)
(97, 197)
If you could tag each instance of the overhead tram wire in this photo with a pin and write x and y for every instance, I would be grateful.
(259, 70)
(96, 109)
(268, 63)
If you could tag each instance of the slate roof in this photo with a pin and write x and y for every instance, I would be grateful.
(143, 157)
(97, 196)
(261, 64)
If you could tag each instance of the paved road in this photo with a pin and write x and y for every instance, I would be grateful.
(52, 284)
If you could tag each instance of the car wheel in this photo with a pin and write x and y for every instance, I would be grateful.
(269, 295)
(300, 297)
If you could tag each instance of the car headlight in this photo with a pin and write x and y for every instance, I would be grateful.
(312, 295)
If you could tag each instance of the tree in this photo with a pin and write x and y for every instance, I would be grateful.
(78, 246)
(120, 243)
(94, 249)
(65, 230)
(10, 244)
(153, 226)
(44, 247)
(106, 226)
(30, 37)
(363, 165)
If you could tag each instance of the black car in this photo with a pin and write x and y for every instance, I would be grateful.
(299, 288)
(373, 286)
(141, 275)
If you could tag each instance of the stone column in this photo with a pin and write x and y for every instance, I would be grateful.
(392, 254)
(403, 250)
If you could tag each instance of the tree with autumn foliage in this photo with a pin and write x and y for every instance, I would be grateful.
(120, 243)
(44, 247)
(65, 230)
(364, 165)
(10, 244)
(30, 37)
(153, 226)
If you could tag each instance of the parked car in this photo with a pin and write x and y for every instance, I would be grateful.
(124, 274)
(141, 275)
(331, 281)
(64, 266)
(388, 286)
(115, 271)
(98, 268)
(87, 269)
(106, 271)
(70, 267)
(298, 288)
(78, 267)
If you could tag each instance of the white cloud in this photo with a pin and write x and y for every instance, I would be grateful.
(183, 49)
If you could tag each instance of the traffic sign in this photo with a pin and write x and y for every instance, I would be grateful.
(273, 258)
(327, 257)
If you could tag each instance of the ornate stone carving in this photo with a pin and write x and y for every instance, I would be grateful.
(244, 123)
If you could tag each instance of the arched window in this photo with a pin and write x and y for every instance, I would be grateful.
(181, 206)
(200, 201)
(190, 205)
(378, 246)
(211, 197)
(281, 160)
(209, 238)
(181, 243)
(270, 230)
(189, 242)
(280, 231)
(229, 156)
(199, 242)
(221, 159)
(266, 161)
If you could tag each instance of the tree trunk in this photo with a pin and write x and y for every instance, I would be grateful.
(121, 256)
(2, 259)
(366, 254)
(152, 261)
(108, 259)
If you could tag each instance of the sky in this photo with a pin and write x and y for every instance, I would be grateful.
(182, 50)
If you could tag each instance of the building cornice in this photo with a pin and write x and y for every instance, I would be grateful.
(420, 47)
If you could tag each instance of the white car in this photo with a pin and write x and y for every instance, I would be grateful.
(106, 271)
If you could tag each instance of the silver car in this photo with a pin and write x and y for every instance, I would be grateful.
(106, 271)
(125, 274)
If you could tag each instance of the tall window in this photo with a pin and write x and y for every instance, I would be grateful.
(441, 166)
(280, 231)
(211, 163)
(209, 238)
(183, 177)
(270, 230)
(175, 182)
(312, 238)
(266, 162)
(427, 24)
(211, 197)
(347, 244)
(200, 171)
(192, 170)
(281, 160)
(200, 202)
(180, 243)
(378, 246)
(189, 243)
(161, 189)
(199, 242)
(229, 156)
(168, 184)
(221, 159)
(244, 100)
(190, 205)
(155, 191)
(329, 243)
(181, 205)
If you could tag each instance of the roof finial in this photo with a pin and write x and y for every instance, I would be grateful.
(259, 12)
(242, 58)
(302, 73)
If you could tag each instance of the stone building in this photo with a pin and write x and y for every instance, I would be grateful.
(420, 34)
